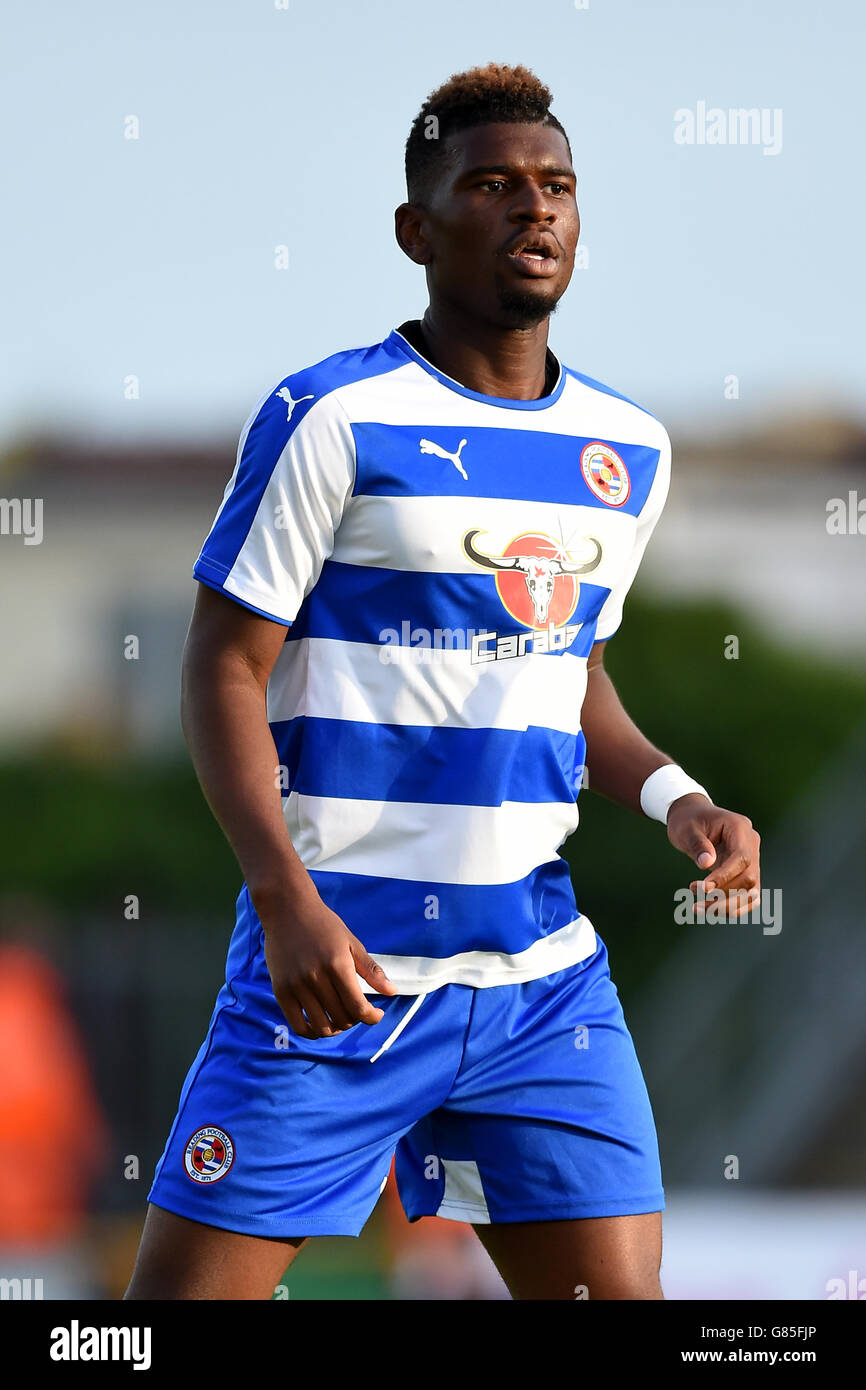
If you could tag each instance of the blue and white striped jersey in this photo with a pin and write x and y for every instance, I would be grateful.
(443, 562)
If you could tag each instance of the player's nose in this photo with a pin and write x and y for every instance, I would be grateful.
(532, 205)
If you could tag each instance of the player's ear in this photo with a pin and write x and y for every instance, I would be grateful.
(410, 233)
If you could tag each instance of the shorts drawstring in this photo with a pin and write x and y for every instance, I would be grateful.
(392, 1037)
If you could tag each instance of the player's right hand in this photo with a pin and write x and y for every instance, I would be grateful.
(314, 962)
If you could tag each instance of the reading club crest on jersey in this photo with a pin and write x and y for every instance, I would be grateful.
(209, 1154)
(536, 578)
(605, 473)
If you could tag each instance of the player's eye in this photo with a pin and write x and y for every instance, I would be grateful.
(488, 183)
(557, 187)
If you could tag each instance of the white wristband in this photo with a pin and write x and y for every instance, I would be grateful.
(662, 788)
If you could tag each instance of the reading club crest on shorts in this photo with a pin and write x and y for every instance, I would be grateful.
(605, 473)
(209, 1154)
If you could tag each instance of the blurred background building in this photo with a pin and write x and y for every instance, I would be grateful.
(218, 216)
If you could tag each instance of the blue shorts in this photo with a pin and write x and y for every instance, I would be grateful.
(521, 1102)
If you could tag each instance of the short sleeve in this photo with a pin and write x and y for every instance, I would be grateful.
(610, 617)
(282, 505)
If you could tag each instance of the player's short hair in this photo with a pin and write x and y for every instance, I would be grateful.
(480, 96)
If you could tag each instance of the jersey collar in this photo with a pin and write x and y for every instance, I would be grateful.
(402, 345)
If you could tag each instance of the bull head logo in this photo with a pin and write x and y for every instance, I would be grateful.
(539, 571)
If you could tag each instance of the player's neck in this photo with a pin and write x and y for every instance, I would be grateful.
(509, 363)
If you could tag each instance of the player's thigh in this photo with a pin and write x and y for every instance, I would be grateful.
(183, 1259)
(603, 1257)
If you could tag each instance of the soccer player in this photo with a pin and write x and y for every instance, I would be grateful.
(393, 681)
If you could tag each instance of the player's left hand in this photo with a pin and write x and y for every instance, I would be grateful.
(722, 842)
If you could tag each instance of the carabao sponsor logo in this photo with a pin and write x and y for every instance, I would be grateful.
(536, 579)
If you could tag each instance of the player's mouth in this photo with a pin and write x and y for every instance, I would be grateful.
(536, 257)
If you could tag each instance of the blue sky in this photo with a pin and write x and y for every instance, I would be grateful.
(262, 126)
